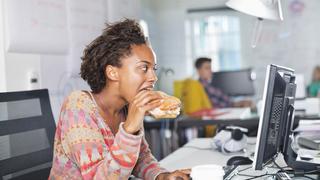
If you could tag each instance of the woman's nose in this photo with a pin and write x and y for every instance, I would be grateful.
(153, 77)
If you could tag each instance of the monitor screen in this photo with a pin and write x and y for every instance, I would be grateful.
(234, 83)
(278, 96)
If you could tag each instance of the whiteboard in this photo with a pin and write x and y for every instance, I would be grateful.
(36, 26)
(86, 21)
(119, 9)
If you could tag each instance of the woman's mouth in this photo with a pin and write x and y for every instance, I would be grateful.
(147, 88)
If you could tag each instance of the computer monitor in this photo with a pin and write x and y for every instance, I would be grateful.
(276, 121)
(234, 83)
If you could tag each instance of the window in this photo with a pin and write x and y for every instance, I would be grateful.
(217, 37)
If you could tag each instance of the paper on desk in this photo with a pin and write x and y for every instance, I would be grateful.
(311, 105)
(314, 154)
(230, 113)
(308, 125)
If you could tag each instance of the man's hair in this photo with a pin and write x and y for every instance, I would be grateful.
(200, 61)
(108, 49)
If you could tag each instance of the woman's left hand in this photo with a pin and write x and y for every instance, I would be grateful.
(182, 174)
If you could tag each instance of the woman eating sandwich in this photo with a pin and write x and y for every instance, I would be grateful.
(100, 132)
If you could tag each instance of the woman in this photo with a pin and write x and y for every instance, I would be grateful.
(100, 133)
(314, 87)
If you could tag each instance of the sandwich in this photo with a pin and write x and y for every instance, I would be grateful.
(169, 108)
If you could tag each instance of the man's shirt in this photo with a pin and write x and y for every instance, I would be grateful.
(217, 97)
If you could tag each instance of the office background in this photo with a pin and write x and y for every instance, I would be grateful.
(173, 25)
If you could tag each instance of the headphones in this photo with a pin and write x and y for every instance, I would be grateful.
(236, 133)
(230, 139)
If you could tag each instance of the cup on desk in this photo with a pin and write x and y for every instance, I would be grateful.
(207, 172)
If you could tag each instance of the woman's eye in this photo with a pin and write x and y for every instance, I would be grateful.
(144, 68)
(155, 68)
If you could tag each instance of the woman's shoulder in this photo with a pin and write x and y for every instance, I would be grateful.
(78, 94)
(79, 100)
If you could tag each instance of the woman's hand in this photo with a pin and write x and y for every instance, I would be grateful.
(141, 103)
(182, 174)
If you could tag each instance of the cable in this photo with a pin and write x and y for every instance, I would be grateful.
(245, 169)
(260, 176)
(245, 175)
(291, 171)
(313, 171)
(251, 176)
(307, 177)
(251, 143)
(275, 163)
(194, 147)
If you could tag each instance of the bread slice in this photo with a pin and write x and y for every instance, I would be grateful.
(169, 108)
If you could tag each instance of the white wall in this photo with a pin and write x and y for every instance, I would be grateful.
(293, 42)
(59, 72)
(2, 53)
(166, 20)
(18, 67)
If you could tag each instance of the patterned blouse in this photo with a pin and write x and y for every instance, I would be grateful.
(85, 147)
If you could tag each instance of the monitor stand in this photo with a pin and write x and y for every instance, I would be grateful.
(299, 166)
(290, 156)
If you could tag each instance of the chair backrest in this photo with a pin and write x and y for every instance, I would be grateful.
(192, 95)
(27, 129)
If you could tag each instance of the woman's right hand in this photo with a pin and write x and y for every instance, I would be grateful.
(143, 102)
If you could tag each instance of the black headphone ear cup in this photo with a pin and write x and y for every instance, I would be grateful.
(236, 134)
(224, 127)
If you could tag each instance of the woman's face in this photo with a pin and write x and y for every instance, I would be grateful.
(137, 72)
(317, 75)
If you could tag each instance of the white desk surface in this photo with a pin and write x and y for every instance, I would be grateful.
(187, 156)
(198, 152)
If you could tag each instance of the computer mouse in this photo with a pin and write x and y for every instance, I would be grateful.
(239, 160)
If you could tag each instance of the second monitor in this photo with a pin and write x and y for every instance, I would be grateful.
(234, 83)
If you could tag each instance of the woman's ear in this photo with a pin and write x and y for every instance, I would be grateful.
(112, 73)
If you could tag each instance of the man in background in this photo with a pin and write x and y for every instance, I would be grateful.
(217, 98)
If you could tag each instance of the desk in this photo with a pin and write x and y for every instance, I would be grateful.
(189, 155)
(198, 152)
(184, 122)
(234, 116)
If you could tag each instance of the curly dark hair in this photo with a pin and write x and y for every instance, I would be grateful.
(108, 49)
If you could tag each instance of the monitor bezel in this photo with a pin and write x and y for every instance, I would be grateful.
(262, 121)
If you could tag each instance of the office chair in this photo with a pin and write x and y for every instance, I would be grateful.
(27, 130)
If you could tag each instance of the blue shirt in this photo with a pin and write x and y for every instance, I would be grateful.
(217, 97)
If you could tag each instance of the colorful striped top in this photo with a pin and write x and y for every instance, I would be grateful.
(86, 148)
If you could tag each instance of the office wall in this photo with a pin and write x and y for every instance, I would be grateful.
(166, 20)
(292, 42)
(57, 71)
(18, 68)
(2, 59)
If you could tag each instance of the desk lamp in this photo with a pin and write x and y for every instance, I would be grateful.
(262, 9)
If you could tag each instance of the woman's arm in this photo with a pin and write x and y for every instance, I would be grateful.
(89, 147)
(147, 166)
